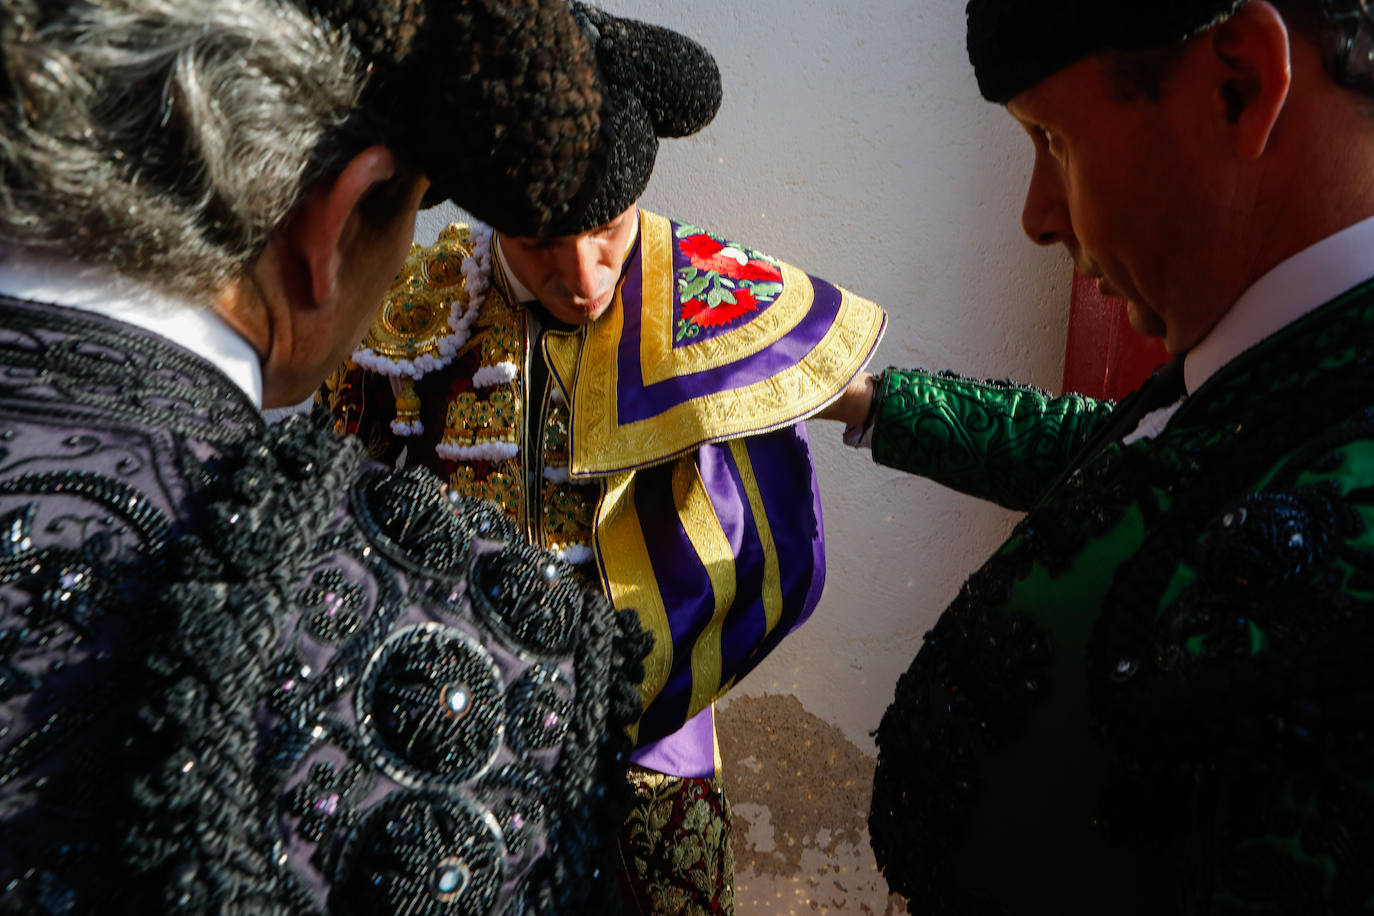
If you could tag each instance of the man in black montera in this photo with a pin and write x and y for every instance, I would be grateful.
(1156, 696)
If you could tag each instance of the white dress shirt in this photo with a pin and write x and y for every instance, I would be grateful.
(1291, 289)
(42, 277)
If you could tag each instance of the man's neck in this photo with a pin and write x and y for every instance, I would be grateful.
(519, 292)
(1291, 289)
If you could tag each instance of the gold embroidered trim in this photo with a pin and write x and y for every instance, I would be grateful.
(561, 349)
(675, 847)
(500, 485)
(476, 417)
(772, 578)
(600, 445)
(495, 413)
(627, 577)
(702, 526)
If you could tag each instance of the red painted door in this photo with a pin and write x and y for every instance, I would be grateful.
(1105, 357)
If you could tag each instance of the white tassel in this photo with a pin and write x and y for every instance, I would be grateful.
(482, 451)
(497, 374)
(574, 554)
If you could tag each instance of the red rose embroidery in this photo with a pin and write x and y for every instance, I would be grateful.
(761, 271)
(705, 254)
(700, 247)
(723, 283)
(705, 316)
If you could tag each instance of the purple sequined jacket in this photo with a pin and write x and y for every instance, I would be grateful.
(240, 670)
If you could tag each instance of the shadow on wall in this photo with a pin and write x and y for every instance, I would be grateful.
(800, 791)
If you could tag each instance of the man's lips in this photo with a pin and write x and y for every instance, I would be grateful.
(1104, 286)
(591, 305)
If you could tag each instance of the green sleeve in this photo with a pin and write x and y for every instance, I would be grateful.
(993, 440)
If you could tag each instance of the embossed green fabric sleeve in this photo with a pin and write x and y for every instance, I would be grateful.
(993, 440)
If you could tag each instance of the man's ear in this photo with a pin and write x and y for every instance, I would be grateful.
(1254, 75)
(327, 220)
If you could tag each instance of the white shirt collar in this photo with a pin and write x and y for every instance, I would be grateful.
(1302, 283)
(520, 291)
(41, 277)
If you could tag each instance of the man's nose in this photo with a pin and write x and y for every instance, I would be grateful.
(1045, 215)
(581, 268)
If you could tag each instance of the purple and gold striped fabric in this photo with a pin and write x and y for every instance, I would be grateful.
(687, 402)
(722, 553)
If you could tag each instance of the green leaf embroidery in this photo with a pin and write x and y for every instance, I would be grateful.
(691, 290)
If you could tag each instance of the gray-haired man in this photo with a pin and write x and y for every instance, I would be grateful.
(240, 671)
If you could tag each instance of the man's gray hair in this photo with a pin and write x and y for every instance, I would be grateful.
(167, 139)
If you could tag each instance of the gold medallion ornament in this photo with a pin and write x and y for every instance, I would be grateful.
(427, 316)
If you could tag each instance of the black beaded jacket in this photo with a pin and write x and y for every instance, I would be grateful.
(1158, 695)
(241, 671)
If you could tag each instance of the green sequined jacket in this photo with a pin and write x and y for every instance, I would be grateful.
(1157, 695)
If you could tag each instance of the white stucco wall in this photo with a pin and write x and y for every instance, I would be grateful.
(853, 143)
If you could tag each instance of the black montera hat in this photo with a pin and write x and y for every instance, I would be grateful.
(657, 83)
(1014, 44)
(497, 101)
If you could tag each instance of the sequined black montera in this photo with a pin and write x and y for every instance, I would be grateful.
(243, 672)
